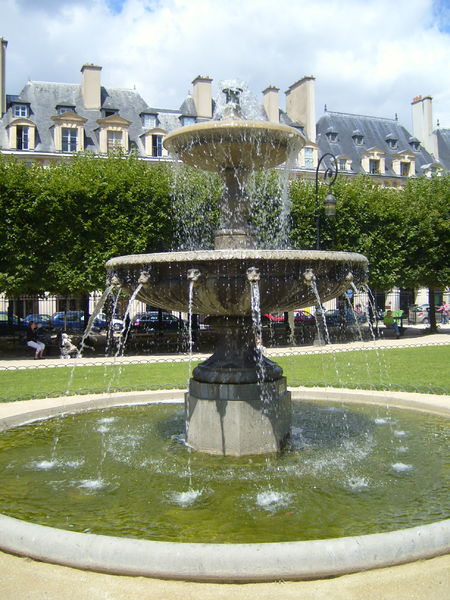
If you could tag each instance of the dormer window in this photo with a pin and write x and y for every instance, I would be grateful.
(332, 135)
(61, 109)
(20, 110)
(358, 138)
(149, 120)
(391, 141)
(414, 143)
(109, 112)
(187, 121)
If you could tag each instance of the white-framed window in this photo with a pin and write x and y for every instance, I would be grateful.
(358, 139)
(342, 164)
(149, 120)
(405, 169)
(113, 139)
(157, 147)
(69, 137)
(374, 166)
(22, 140)
(60, 110)
(309, 158)
(391, 142)
(20, 110)
(332, 136)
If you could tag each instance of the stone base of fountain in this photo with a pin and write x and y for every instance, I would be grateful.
(238, 419)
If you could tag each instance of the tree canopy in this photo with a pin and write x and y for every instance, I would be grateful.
(62, 223)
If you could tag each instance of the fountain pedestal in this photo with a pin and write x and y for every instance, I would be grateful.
(237, 403)
(238, 419)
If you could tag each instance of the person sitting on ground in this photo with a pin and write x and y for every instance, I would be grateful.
(390, 323)
(32, 340)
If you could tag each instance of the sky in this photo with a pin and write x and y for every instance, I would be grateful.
(369, 57)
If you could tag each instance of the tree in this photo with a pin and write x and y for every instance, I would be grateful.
(64, 222)
(427, 234)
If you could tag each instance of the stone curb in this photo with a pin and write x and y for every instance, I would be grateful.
(224, 562)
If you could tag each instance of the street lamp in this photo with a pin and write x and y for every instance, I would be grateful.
(329, 177)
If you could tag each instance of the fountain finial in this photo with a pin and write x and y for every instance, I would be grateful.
(232, 109)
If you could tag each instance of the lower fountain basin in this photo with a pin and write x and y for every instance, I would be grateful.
(238, 562)
(222, 287)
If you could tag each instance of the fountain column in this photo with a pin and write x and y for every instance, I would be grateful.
(237, 403)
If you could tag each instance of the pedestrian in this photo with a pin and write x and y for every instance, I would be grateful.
(390, 323)
(443, 309)
(32, 340)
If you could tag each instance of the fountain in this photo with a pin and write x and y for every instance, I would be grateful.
(237, 405)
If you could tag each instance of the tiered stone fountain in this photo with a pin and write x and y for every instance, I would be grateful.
(237, 401)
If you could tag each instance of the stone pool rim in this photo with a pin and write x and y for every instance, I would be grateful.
(314, 559)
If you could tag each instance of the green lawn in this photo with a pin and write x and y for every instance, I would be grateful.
(424, 369)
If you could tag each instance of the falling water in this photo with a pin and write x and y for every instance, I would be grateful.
(193, 276)
(97, 308)
(127, 321)
(321, 312)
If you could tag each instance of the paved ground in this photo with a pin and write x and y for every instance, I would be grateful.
(25, 579)
(414, 336)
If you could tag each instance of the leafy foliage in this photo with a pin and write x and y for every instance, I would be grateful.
(64, 222)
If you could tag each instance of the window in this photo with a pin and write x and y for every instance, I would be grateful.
(149, 120)
(374, 166)
(188, 120)
(20, 110)
(391, 141)
(342, 164)
(358, 139)
(113, 140)
(415, 144)
(22, 138)
(331, 135)
(309, 158)
(405, 168)
(69, 139)
(157, 145)
(63, 109)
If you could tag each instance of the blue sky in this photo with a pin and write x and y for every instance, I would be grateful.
(368, 56)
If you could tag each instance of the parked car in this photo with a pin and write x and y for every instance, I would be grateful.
(71, 319)
(150, 321)
(334, 317)
(4, 320)
(303, 316)
(101, 321)
(420, 313)
(270, 318)
(40, 319)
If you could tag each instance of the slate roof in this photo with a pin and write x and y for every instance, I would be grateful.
(443, 140)
(44, 97)
(375, 132)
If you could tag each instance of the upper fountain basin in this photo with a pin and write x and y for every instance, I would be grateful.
(222, 286)
(234, 144)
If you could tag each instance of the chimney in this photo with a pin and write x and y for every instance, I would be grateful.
(422, 116)
(201, 92)
(91, 87)
(271, 104)
(301, 105)
(3, 44)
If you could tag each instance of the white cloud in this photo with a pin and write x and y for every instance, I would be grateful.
(368, 56)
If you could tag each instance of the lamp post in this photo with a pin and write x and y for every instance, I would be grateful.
(329, 177)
